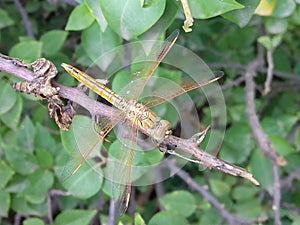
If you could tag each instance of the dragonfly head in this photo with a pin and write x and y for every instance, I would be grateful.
(161, 130)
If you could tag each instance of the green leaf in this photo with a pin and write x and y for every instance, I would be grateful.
(241, 17)
(209, 217)
(80, 136)
(4, 202)
(295, 17)
(168, 218)
(6, 173)
(43, 140)
(17, 184)
(26, 134)
(147, 3)
(202, 9)
(74, 217)
(120, 13)
(94, 7)
(281, 62)
(33, 6)
(219, 188)
(281, 145)
(163, 23)
(275, 25)
(33, 221)
(80, 139)
(248, 209)
(284, 8)
(296, 220)
(96, 43)
(44, 158)
(280, 126)
(80, 18)
(20, 205)
(235, 37)
(138, 219)
(84, 183)
(12, 117)
(20, 159)
(7, 97)
(181, 202)
(5, 20)
(238, 143)
(122, 153)
(261, 168)
(28, 50)
(120, 80)
(276, 40)
(53, 41)
(265, 41)
(40, 182)
(154, 156)
(242, 193)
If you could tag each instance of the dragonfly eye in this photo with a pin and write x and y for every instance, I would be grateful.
(161, 130)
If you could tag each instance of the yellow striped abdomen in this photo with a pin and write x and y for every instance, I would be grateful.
(95, 86)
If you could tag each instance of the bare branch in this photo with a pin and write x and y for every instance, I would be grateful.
(25, 18)
(17, 218)
(270, 71)
(206, 159)
(57, 192)
(257, 131)
(291, 135)
(261, 138)
(287, 182)
(291, 207)
(112, 214)
(276, 194)
(49, 207)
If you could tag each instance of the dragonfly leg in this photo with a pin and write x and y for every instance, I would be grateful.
(171, 150)
(164, 148)
(199, 137)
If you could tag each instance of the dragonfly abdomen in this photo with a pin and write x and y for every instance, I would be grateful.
(95, 85)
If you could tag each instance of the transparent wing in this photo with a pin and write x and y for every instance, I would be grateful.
(119, 166)
(150, 63)
(86, 142)
(169, 89)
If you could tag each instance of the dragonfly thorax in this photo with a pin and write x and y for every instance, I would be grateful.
(147, 120)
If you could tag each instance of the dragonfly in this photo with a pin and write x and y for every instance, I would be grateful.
(138, 114)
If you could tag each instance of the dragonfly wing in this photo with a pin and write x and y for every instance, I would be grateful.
(169, 89)
(86, 140)
(120, 166)
(158, 52)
